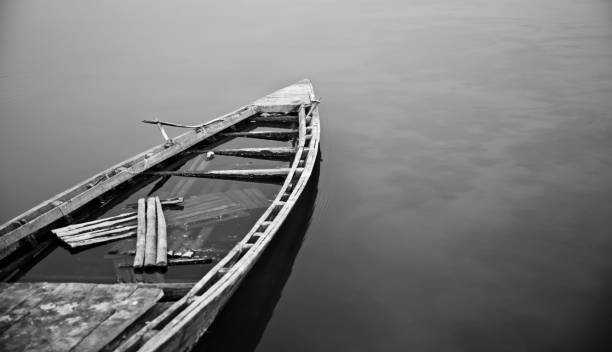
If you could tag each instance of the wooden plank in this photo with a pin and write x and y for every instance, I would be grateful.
(62, 233)
(151, 234)
(45, 327)
(100, 233)
(92, 223)
(99, 240)
(71, 316)
(286, 99)
(259, 153)
(273, 135)
(141, 234)
(162, 241)
(177, 261)
(125, 312)
(275, 118)
(15, 308)
(13, 295)
(230, 174)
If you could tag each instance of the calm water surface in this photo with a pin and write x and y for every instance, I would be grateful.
(464, 197)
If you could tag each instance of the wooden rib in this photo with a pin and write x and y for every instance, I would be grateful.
(168, 338)
(273, 135)
(141, 234)
(72, 199)
(230, 174)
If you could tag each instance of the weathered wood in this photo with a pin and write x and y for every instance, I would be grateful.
(259, 153)
(180, 125)
(287, 99)
(73, 227)
(124, 313)
(64, 234)
(98, 240)
(273, 135)
(230, 174)
(141, 234)
(100, 233)
(162, 241)
(70, 316)
(177, 261)
(151, 234)
(275, 118)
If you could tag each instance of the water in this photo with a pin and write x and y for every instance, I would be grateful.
(464, 197)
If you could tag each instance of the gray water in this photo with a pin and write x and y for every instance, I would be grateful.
(464, 199)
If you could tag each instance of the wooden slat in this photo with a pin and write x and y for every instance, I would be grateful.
(99, 233)
(151, 234)
(141, 234)
(162, 240)
(99, 240)
(62, 233)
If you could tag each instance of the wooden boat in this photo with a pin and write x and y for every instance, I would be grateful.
(156, 316)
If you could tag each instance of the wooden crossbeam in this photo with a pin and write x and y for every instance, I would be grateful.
(254, 174)
(282, 153)
(273, 118)
(274, 135)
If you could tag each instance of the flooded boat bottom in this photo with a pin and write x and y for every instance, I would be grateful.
(212, 218)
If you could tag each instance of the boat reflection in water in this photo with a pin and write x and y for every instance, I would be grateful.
(241, 323)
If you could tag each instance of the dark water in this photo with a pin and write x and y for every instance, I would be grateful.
(464, 196)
